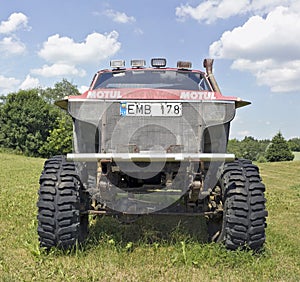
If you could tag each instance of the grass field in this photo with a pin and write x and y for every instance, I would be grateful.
(138, 253)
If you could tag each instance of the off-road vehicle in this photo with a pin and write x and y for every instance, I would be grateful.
(151, 140)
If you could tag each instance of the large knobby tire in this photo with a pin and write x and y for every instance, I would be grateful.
(244, 215)
(60, 203)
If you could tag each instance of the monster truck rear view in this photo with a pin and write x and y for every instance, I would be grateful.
(151, 140)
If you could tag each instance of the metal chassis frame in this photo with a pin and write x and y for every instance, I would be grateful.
(151, 156)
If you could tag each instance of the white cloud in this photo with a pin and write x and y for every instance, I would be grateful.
(83, 88)
(138, 31)
(262, 38)
(211, 10)
(244, 133)
(95, 48)
(29, 83)
(11, 46)
(58, 69)
(65, 54)
(8, 84)
(267, 47)
(119, 17)
(278, 75)
(14, 22)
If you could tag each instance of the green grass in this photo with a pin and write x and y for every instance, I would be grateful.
(141, 252)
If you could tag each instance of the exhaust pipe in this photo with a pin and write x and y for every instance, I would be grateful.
(208, 64)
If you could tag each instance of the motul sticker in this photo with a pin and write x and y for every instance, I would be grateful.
(104, 94)
(153, 94)
(193, 95)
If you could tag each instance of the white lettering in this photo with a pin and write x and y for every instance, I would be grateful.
(185, 95)
(194, 95)
(104, 94)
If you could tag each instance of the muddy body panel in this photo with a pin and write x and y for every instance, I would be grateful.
(200, 127)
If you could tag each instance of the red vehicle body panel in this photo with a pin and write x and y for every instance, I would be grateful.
(153, 94)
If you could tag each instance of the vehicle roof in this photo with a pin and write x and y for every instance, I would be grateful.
(153, 93)
(151, 69)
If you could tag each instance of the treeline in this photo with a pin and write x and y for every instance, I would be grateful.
(31, 124)
(277, 149)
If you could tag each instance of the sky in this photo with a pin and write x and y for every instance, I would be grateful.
(254, 43)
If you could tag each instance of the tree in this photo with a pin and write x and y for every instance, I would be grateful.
(25, 119)
(234, 147)
(60, 138)
(59, 141)
(294, 144)
(60, 90)
(248, 148)
(31, 124)
(279, 150)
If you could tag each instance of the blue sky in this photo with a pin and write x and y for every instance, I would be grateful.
(255, 44)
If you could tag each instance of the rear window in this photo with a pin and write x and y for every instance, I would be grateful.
(155, 79)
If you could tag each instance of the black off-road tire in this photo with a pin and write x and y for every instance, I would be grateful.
(244, 215)
(60, 204)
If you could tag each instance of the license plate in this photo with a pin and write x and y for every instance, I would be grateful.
(151, 109)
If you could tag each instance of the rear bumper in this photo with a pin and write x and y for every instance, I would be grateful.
(151, 157)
